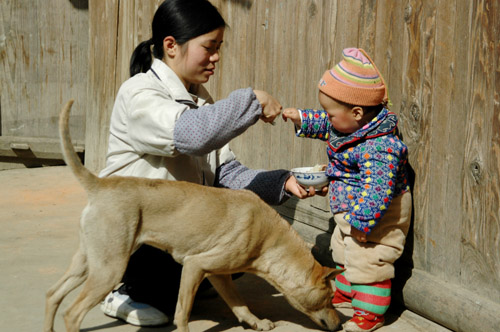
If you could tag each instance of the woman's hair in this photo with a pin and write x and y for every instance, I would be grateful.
(181, 19)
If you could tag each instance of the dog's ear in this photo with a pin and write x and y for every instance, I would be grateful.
(330, 273)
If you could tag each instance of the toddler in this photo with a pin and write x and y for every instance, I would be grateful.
(368, 191)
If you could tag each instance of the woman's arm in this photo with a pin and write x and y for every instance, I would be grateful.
(269, 185)
(200, 131)
(274, 187)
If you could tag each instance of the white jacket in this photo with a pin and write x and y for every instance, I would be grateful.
(141, 140)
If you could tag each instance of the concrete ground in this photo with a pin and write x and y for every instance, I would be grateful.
(39, 214)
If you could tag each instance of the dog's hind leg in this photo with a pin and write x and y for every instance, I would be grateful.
(72, 278)
(100, 281)
(225, 287)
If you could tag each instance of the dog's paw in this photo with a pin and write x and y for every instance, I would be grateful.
(263, 325)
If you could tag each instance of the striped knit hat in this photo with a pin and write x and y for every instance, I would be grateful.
(355, 80)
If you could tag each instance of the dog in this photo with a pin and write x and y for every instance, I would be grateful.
(212, 232)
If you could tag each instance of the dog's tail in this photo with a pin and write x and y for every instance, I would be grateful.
(86, 178)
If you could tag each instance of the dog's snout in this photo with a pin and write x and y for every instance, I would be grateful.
(327, 327)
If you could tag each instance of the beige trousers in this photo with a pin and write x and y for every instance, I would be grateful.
(373, 261)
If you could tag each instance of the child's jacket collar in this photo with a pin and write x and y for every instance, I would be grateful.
(384, 123)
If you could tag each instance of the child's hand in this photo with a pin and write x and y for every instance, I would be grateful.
(292, 114)
(358, 235)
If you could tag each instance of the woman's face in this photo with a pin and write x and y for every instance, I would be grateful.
(194, 62)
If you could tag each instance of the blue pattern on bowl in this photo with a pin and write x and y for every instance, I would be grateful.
(307, 178)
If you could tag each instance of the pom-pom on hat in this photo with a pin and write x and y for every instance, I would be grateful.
(355, 80)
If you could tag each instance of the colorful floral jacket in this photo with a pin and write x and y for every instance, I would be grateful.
(367, 168)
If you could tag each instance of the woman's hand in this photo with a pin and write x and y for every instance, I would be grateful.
(271, 108)
(358, 235)
(292, 114)
(294, 188)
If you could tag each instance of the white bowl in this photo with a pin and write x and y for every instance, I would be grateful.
(307, 177)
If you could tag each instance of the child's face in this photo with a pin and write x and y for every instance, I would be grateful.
(341, 116)
(195, 61)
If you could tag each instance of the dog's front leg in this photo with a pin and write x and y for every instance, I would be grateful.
(225, 287)
(191, 278)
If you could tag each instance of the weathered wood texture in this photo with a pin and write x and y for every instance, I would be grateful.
(116, 28)
(43, 63)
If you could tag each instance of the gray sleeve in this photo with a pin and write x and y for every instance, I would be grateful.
(268, 185)
(202, 130)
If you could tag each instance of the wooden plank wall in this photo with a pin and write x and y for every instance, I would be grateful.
(116, 28)
(43, 62)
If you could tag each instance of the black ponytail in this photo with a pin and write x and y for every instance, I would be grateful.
(181, 19)
(141, 59)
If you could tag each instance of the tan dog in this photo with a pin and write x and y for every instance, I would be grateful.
(212, 232)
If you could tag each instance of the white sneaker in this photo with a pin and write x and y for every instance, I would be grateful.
(121, 306)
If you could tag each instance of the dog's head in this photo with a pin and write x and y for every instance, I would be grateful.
(315, 300)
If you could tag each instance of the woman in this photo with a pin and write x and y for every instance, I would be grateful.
(165, 125)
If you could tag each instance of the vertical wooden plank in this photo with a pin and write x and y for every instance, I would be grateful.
(4, 69)
(417, 121)
(423, 98)
(443, 258)
(367, 25)
(16, 62)
(421, 104)
(121, 25)
(329, 30)
(493, 215)
(62, 50)
(134, 27)
(42, 64)
(126, 40)
(103, 31)
(389, 36)
(492, 225)
(143, 17)
(480, 230)
(348, 24)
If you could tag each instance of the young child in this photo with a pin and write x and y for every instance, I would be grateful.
(369, 191)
